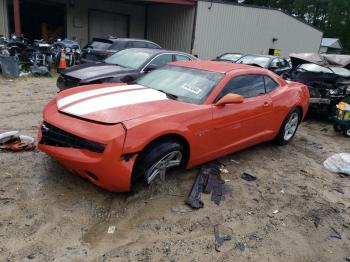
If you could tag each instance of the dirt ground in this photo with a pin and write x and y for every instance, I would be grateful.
(49, 214)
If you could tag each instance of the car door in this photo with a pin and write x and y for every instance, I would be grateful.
(238, 126)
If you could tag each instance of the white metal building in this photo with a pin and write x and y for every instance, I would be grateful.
(206, 27)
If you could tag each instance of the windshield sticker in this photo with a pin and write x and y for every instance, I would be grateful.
(191, 89)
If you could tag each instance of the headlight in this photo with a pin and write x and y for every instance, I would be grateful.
(334, 91)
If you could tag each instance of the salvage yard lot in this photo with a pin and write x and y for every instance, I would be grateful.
(48, 214)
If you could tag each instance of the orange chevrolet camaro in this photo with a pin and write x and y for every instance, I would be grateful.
(181, 115)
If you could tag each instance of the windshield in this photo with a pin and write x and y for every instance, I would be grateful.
(186, 84)
(258, 60)
(232, 57)
(129, 58)
(97, 45)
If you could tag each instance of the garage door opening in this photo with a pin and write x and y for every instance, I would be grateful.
(40, 19)
(103, 24)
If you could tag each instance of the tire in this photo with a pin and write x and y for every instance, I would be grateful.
(283, 138)
(346, 131)
(337, 127)
(156, 157)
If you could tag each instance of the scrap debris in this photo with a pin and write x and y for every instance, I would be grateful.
(248, 177)
(336, 234)
(219, 240)
(338, 163)
(11, 141)
(207, 181)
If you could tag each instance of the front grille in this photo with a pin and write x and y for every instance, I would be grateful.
(54, 136)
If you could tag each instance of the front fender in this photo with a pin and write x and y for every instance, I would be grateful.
(139, 137)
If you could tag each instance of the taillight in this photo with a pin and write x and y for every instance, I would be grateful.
(107, 53)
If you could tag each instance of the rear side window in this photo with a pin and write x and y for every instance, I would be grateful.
(246, 86)
(97, 45)
(270, 84)
(150, 45)
(137, 44)
(182, 58)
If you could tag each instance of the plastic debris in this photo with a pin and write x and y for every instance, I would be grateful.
(207, 181)
(39, 70)
(338, 163)
(224, 171)
(219, 240)
(248, 177)
(111, 230)
(11, 141)
(276, 212)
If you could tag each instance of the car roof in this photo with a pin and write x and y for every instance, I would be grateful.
(213, 66)
(267, 56)
(157, 51)
(116, 39)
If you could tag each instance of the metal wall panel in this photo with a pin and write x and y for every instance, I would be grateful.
(3, 18)
(77, 17)
(233, 28)
(171, 26)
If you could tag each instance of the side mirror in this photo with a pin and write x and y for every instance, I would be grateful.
(150, 68)
(230, 99)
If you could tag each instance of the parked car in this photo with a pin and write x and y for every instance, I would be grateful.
(101, 48)
(124, 66)
(276, 64)
(228, 57)
(328, 81)
(180, 115)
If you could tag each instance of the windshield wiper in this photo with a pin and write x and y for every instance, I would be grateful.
(171, 96)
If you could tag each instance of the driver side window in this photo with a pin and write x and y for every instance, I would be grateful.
(246, 86)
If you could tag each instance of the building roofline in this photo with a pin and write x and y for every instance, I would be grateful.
(261, 7)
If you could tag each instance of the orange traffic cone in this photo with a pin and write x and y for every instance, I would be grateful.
(62, 64)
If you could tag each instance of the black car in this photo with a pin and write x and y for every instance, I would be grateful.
(276, 64)
(124, 66)
(101, 48)
(228, 57)
(326, 77)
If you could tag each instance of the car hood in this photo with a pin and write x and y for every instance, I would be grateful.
(117, 103)
(325, 60)
(95, 70)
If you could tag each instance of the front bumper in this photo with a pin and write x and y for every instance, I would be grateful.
(108, 169)
(65, 82)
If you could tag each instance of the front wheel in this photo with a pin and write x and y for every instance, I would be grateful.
(156, 160)
(289, 127)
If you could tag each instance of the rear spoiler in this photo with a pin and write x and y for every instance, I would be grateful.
(102, 40)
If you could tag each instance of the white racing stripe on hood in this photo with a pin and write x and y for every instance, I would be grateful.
(82, 95)
(114, 100)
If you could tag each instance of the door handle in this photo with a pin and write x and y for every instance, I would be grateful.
(266, 104)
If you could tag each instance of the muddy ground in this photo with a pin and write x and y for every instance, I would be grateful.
(49, 214)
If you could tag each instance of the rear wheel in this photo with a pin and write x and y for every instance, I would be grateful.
(158, 159)
(346, 131)
(289, 127)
